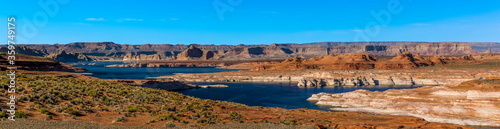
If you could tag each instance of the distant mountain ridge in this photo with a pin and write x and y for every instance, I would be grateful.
(113, 51)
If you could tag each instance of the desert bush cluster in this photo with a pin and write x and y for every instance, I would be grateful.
(51, 95)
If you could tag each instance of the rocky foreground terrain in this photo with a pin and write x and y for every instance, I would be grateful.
(475, 102)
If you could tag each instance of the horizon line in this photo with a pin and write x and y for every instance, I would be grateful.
(259, 44)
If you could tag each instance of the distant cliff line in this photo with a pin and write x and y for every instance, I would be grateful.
(114, 47)
(86, 51)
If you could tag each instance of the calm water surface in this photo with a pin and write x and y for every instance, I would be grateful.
(99, 70)
(284, 95)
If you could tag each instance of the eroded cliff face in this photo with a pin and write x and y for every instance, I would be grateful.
(152, 55)
(69, 57)
(110, 50)
(195, 53)
(364, 61)
(25, 50)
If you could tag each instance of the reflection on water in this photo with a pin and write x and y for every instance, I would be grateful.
(284, 95)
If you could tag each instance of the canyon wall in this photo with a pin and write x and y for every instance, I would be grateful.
(113, 51)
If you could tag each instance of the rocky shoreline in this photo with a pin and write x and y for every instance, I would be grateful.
(371, 81)
(306, 81)
(470, 103)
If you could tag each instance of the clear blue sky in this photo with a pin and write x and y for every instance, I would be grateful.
(251, 21)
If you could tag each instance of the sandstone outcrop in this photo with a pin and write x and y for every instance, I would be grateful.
(111, 51)
(171, 64)
(25, 50)
(364, 61)
(258, 52)
(361, 81)
(69, 57)
(195, 53)
(145, 56)
(474, 102)
(343, 61)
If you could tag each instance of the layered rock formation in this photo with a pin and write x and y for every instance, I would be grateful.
(195, 53)
(111, 51)
(25, 50)
(366, 81)
(343, 61)
(170, 64)
(138, 56)
(69, 57)
(364, 61)
(481, 47)
(470, 103)
(258, 52)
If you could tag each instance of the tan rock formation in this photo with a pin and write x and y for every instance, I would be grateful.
(364, 61)
(69, 57)
(343, 61)
(195, 53)
(474, 102)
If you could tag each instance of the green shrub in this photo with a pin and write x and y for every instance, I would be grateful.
(74, 112)
(120, 119)
(3, 114)
(21, 114)
(169, 124)
(167, 116)
(132, 109)
(44, 111)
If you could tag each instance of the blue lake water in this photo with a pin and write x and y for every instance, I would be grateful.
(99, 70)
(284, 95)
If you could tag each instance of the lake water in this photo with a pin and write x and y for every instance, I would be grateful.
(99, 70)
(284, 95)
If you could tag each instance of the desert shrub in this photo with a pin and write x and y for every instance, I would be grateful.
(235, 116)
(167, 116)
(120, 119)
(74, 112)
(3, 114)
(44, 111)
(201, 121)
(132, 109)
(289, 122)
(169, 124)
(21, 114)
(58, 110)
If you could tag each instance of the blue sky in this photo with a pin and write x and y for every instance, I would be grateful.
(251, 21)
